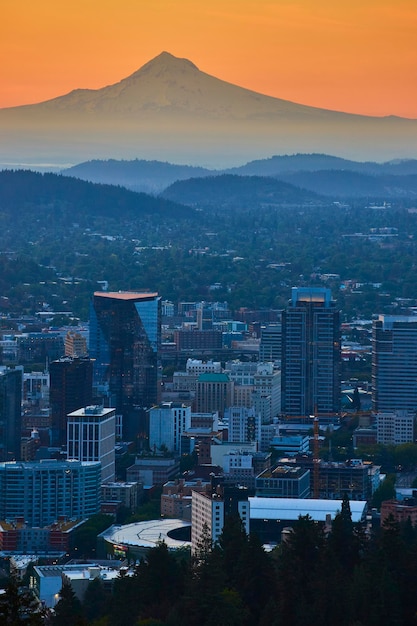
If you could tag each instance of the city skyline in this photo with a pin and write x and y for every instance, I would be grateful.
(353, 57)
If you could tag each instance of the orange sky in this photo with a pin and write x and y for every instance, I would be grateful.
(358, 56)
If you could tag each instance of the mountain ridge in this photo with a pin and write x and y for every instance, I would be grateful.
(304, 170)
(169, 108)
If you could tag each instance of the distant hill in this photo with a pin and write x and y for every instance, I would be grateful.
(138, 175)
(244, 192)
(334, 176)
(315, 162)
(351, 184)
(54, 196)
(170, 110)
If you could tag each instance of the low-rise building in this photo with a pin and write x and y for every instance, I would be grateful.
(176, 497)
(48, 579)
(283, 481)
(16, 536)
(401, 511)
(290, 445)
(395, 427)
(128, 494)
(153, 470)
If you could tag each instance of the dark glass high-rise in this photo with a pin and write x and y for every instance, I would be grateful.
(311, 354)
(125, 334)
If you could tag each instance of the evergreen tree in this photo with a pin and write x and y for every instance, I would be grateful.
(299, 570)
(356, 399)
(19, 606)
(68, 609)
(125, 602)
(95, 601)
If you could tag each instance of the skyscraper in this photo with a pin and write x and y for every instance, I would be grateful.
(125, 335)
(394, 363)
(71, 381)
(270, 347)
(311, 354)
(10, 413)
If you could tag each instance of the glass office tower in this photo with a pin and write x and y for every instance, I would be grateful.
(71, 387)
(125, 335)
(10, 412)
(311, 354)
(394, 363)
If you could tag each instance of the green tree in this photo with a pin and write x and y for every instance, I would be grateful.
(68, 609)
(386, 491)
(18, 606)
(94, 601)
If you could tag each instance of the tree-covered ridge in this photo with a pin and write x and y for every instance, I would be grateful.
(50, 253)
(315, 162)
(350, 184)
(155, 176)
(244, 192)
(137, 174)
(53, 195)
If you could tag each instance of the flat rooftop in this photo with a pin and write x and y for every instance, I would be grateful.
(147, 534)
(125, 295)
(291, 508)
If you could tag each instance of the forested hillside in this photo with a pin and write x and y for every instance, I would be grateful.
(59, 236)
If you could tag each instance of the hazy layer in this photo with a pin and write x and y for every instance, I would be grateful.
(169, 110)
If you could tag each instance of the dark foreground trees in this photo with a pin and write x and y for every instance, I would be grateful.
(343, 578)
(18, 605)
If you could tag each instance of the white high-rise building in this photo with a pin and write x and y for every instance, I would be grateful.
(167, 423)
(209, 511)
(244, 424)
(91, 436)
(267, 392)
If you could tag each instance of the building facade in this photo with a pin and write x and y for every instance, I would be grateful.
(214, 393)
(311, 354)
(71, 388)
(167, 423)
(283, 481)
(243, 424)
(395, 427)
(394, 363)
(42, 492)
(10, 413)
(75, 344)
(153, 470)
(266, 395)
(125, 336)
(209, 511)
(91, 436)
(270, 347)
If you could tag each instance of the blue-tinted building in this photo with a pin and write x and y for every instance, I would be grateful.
(10, 413)
(311, 354)
(125, 336)
(42, 492)
(394, 363)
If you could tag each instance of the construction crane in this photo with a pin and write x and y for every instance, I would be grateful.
(316, 459)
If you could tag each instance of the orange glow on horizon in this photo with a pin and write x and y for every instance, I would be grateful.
(357, 56)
